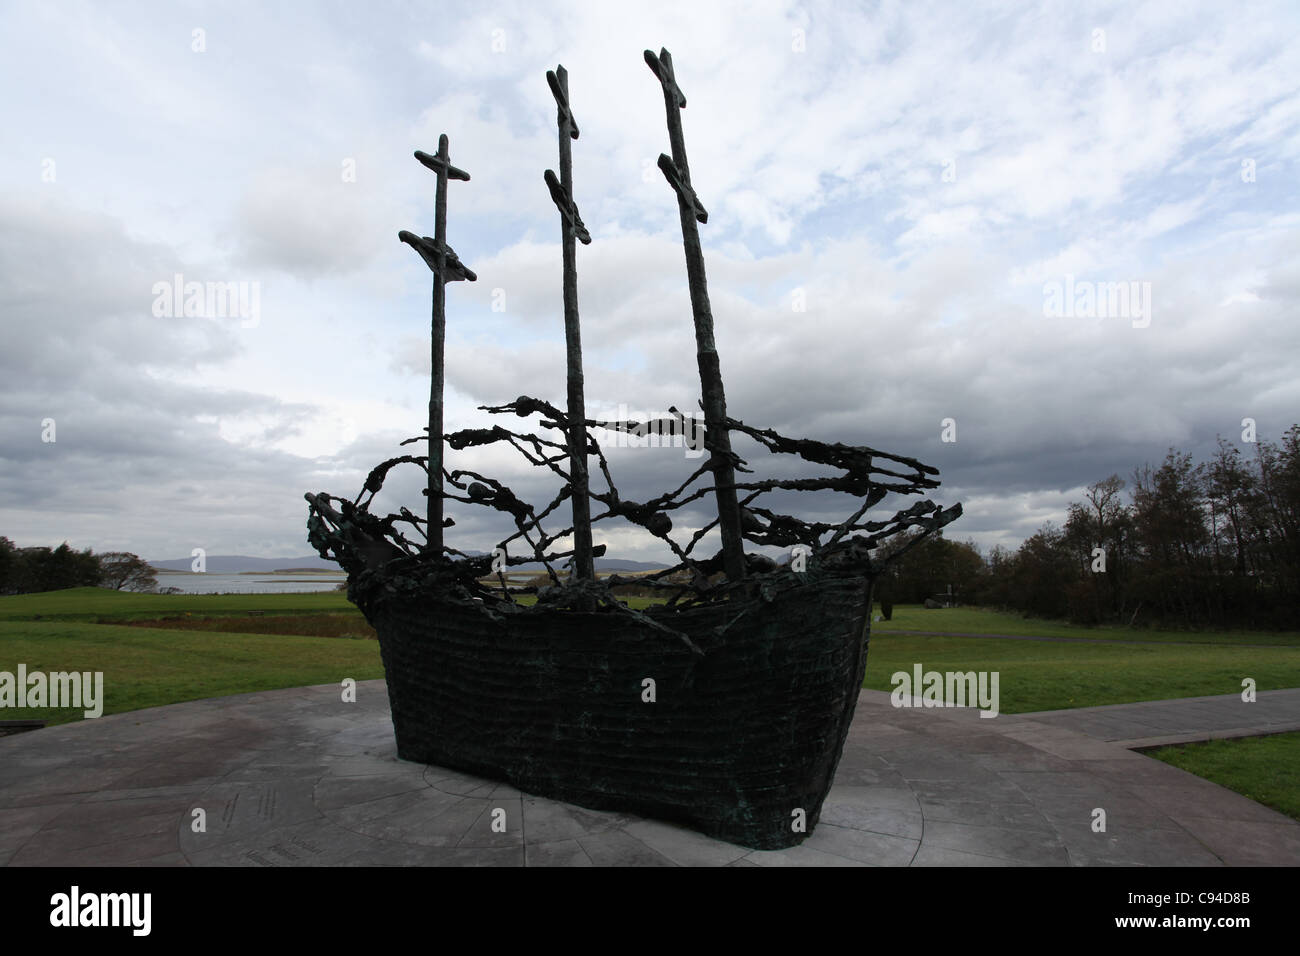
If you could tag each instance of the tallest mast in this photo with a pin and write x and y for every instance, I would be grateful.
(716, 436)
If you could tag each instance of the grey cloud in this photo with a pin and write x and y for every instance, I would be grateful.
(311, 223)
(821, 171)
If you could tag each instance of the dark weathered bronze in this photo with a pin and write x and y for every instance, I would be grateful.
(571, 228)
(451, 269)
(446, 267)
(757, 664)
(717, 438)
(568, 211)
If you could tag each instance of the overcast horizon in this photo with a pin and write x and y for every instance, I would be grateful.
(909, 208)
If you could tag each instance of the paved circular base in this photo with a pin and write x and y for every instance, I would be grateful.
(301, 778)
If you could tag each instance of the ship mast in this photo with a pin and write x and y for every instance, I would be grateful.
(716, 436)
(571, 228)
(446, 267)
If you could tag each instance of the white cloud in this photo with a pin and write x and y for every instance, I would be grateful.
(821, 169)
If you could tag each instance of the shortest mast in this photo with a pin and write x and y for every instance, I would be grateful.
(571, 227)
(446, 267)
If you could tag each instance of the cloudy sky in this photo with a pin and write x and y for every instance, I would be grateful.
(894, 189)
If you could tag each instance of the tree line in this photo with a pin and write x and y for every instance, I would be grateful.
(1214, 544)
(28, 570)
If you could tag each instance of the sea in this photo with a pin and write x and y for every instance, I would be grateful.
(250, 582)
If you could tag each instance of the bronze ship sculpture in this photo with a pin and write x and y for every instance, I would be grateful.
(723, 704)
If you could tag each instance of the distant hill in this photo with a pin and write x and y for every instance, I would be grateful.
(235, 563)
(618, 564)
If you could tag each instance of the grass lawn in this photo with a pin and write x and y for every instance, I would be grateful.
(102, 604)
(304, 625)
(973, 620)
(88, 604)
(1052, 675)
(1266, 769)
(195, 646)
(164, 649)
(182, 647)
(149, 667)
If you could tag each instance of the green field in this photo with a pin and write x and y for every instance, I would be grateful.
(83, 629)
(164, 649)
(1266, 769)
(101, 604)
(969, 620)
(157, 649)
(184, 647)
(1056, 675)
(88, 604)
(149, 667)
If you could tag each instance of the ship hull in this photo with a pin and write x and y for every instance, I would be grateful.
(599, 710)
